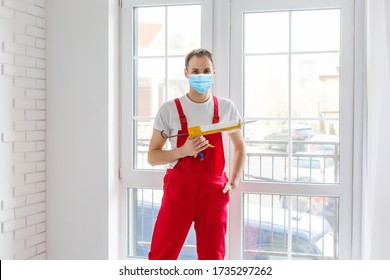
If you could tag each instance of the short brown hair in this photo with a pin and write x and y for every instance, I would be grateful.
(199, 53)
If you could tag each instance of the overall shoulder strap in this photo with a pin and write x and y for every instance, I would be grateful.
(216, 116)
(183, 119)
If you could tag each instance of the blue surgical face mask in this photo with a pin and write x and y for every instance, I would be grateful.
(201, 82)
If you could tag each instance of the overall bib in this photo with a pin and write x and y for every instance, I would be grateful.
(193, 193)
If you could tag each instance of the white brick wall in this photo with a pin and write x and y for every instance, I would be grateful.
(22, 129)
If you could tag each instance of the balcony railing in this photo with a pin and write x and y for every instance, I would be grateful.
(315, 166)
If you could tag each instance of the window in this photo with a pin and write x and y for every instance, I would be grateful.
(295, 65)
(156, 36)
(290, 69)
(287, 226)
(285, 87)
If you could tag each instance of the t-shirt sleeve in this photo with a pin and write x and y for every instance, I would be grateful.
(234, 113)
(161, 122)
(228, 112)
(231, 112)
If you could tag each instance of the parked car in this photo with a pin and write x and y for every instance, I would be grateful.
(310, 168)
(265, 239)
(323, 206)
(299, 133)
(323, 144)
(311, 236)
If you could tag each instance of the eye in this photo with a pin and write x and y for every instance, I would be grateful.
(195, 71)
(207, 71)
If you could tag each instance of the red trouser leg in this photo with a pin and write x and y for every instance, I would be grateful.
(210, 240)
(188, 198)
(211, 219)
(174, 218)
(168, 237)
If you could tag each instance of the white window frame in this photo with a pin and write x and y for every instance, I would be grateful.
(344, 189)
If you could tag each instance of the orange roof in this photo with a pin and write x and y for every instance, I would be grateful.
(147, 32)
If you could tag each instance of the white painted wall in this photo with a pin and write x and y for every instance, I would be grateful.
(81, 129)
(22, 129)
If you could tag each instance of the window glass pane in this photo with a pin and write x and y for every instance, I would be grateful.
(254, 133)
(315, 84)
(150, 86)
(177, 82)
(143, 210)
(150, 31)
(144, 130)
(326, 140)
(294, 96)
(266, 167)
(316, 159)
(315, 146)
(266, 144)
(143, 133)
(183, 29)
(260, 38)
(314, 168)
(317, 30)
(283, 227)
(266, 86)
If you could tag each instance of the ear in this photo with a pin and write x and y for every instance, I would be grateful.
(186, 73)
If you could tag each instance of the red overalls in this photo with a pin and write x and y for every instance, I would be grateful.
(193, 193)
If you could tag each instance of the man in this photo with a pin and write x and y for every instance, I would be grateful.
(196, 189)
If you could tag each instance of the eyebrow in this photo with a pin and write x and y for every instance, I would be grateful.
(207, 68)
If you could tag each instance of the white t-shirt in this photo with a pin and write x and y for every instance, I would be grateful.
(197, 114)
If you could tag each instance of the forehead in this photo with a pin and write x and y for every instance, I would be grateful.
(199, 62)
